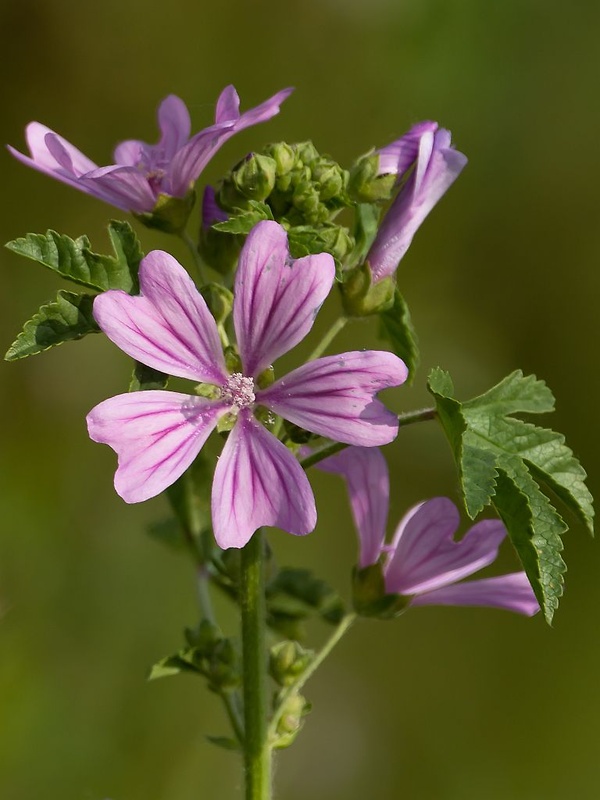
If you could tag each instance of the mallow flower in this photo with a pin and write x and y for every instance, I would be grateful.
(424, 563)
(142, 172)
(157, 434)
(434, 165)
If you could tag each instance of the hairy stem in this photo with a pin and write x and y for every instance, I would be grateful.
(257, 753)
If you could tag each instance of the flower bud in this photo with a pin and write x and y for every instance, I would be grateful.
(306, 153)
(290, 722)
(284, 156)
(330, 178)
(365, 183)
(361, 297)
(287, 661)
(255, 177)
(337, 241)
(204, 637)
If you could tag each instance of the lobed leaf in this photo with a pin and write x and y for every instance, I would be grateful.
(74, 260)
(64, 319)
(507, 461)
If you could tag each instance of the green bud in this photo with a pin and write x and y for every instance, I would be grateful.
(306, 153)
(337, 241)
(255, 177)
(306, 199)
(361, 297)
(330, 178)
(170, 214)
(290, 723)
(369, 595)
(223, 671)
(283, 155)
(204, 637)
(365, 185)
(287, 661)
(219, 300)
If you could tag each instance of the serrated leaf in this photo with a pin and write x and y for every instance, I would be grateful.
(502, 460)
(395, 325)
(64, 319)
(74, 260)
(244, 220)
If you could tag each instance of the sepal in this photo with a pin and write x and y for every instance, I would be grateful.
(170, 214)
(361, 297)
(370, 598)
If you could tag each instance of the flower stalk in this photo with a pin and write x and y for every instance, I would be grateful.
(257, 753)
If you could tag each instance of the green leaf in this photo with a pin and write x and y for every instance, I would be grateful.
(506, 461)
(245, 220)
(395, 325)
(296, 594)
(66, 318)
(173, 665)
(145, 378)
(75, 261)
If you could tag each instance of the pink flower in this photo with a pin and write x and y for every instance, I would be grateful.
(424, 562)
(435, 166)
(157, 434)
(142, 172)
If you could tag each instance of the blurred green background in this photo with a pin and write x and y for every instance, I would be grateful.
(442, 703)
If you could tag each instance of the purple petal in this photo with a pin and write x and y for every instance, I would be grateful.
(396, 158)
(167, 326)
(438, 166)
(156, 436)
(366, 473)
(512, 592)
(425, 556)
(263, 112)
(174, 124)
(335, 396)
(276, 297)
(189, 162)
(228, 105)
(258, 482)
(126, 186)
(211, 212)
(130, 152)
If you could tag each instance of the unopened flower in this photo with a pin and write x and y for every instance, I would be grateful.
(157, 434)
(424, 563)
(435, 165)
(142, 172)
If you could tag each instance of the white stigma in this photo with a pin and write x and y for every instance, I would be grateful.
(239, 391)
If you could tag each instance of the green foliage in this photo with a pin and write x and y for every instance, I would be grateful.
(395, 325)
(294, 595)
(144, 378)
(75, 261)
(243, 220)
(64, 319)
(503, 460)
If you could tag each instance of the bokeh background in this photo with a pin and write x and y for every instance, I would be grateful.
(442, 703)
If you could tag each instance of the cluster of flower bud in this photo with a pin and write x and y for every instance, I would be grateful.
(301, 186)
(215, 656)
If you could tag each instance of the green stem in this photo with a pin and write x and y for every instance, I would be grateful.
(408, 418)
(191, 246)
(328, 338)
(295, 687)
(257, 753)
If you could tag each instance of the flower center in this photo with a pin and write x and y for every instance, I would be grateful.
(239, 390)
